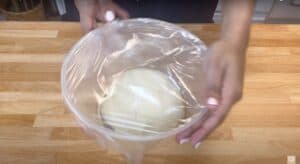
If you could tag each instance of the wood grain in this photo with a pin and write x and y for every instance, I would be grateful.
(29, 33)
(35, 126)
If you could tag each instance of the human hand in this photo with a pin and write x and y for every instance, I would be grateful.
(92, 10)
(224, 67)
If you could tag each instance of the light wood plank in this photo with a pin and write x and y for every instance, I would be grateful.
(30, 67)
(24, 133)
(29, 86)
(12, 76)
(16, 120)
(31, 58)
(28, 158)
(278, 134)
(32, 107)
(30, 96)
(28, 33)
(49, 146)
(68, 133)
(66, 120)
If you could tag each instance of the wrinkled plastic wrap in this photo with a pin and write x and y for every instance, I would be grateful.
(135, 81)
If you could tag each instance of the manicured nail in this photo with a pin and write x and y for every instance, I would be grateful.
(212, 101)
(197, 145)
(184, 140)
(109, 16)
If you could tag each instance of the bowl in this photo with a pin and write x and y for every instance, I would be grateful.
(98, 59)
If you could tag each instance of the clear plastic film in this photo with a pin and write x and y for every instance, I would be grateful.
(135, 81)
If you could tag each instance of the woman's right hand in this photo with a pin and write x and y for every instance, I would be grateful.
(92, 10)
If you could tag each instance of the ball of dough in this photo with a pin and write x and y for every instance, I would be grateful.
(142, 101)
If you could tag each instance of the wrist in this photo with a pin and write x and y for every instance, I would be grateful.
(236, 36)
(230, 47)
(237, 44)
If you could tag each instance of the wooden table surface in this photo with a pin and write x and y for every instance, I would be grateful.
(36, 128)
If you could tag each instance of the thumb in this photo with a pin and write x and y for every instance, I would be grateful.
(214, 78)
(87, 14)
(123, 14)
(87, 23)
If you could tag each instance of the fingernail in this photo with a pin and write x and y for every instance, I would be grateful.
(212, 101)
(109, 16)
(197, 145)
(184, 140)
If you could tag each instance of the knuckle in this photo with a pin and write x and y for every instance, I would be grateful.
(239, 93)
(236, 94)
(220, 118)
(206, 129)
(213, 87)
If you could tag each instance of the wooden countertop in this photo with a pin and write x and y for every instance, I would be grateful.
(36, 128)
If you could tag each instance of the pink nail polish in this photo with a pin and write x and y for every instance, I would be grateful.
(184, 140)
(212, 101)
(197, 145)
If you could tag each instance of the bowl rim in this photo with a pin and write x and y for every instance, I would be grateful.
(108, 134)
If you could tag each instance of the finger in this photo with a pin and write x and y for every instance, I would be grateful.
(185, 135)
(123, 14)
(101, 16)
(101, 9)
(212, 122)
(214, 75)
(201, 133)
(87, 23)
(87, 14)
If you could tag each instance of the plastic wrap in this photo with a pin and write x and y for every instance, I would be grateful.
(135, 81)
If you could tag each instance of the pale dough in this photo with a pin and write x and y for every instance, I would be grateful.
(142, 101)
